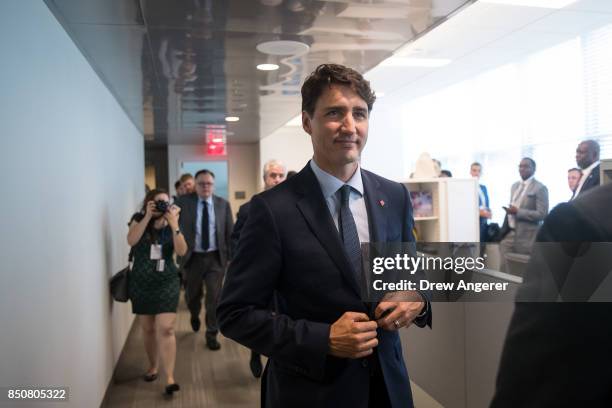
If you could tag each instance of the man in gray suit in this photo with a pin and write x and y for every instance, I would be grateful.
(206, 222)
(528, 207)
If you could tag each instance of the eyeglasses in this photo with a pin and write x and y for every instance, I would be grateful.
(205, 184)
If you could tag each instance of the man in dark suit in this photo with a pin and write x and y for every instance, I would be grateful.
(560, 354)
(274, 172)
(326, 346)
(206, 222)
(587, 158)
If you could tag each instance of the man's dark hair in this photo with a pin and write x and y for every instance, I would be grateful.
(476, 164)
(327, 74)
(177, 184)
(447, 173)
(185, 177)
(205, 171)
(530, 160)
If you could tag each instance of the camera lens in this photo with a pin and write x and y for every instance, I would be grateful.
(162, 206)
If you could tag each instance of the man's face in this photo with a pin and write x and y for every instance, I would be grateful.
(526, 169)
(338, 126)
(573, 178)
(205, 185)
(584, 156)
(475, 171)
(188, 186)
(274, 176)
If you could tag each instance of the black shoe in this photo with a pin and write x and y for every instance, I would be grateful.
(171, 389)
(212, 343)
(149, 377)
(195, 323)
(255, 365)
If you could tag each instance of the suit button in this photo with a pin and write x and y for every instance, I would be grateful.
(364, 363)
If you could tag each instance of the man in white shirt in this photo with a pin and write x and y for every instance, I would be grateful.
(587, 158)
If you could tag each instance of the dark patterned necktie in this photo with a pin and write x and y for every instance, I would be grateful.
(205, 232)
(348, 231)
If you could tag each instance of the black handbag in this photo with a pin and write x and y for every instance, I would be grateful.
(119, 281)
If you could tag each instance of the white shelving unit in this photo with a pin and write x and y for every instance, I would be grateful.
(455, 210)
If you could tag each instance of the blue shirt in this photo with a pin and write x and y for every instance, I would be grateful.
(330, 186)
(212, 229)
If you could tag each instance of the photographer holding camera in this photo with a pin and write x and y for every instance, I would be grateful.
(154, 283)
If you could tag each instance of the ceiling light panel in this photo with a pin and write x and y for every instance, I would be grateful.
(415, 62)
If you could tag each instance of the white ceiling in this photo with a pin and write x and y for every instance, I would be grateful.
(483, 36)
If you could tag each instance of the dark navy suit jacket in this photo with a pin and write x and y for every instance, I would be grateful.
(291, 247)
(592, 181)
(558, 354)
(241, 217)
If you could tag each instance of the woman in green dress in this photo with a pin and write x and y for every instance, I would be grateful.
(154, 282)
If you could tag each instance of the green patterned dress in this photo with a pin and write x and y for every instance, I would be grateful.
(153, 292)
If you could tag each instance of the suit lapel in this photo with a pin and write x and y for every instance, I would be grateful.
(313, 207)
(193, 216)
(375, 200)
(218, 217)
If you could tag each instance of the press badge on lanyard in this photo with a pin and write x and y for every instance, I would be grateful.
(156, 255)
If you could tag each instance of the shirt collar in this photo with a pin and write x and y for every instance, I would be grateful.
(208, 200)
(526, 182)
(330, 184)
(591, 167)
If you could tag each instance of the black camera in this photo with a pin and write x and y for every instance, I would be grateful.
(162, 206)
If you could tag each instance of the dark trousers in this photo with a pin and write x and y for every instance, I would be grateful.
(379, 397)
(204, 268)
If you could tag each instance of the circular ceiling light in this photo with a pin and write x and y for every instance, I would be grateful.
(267, 67)
(232, 118)
(283, 47)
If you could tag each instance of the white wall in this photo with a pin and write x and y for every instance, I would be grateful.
(289, 144)
(384, 151)
(72, 171)
(243, 162)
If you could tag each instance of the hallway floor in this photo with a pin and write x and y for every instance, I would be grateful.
(207, 378)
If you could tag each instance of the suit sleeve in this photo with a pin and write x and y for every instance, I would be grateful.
(241, 218)
(541, 210)
(243, 310)
(229, 227)
(542, 363)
